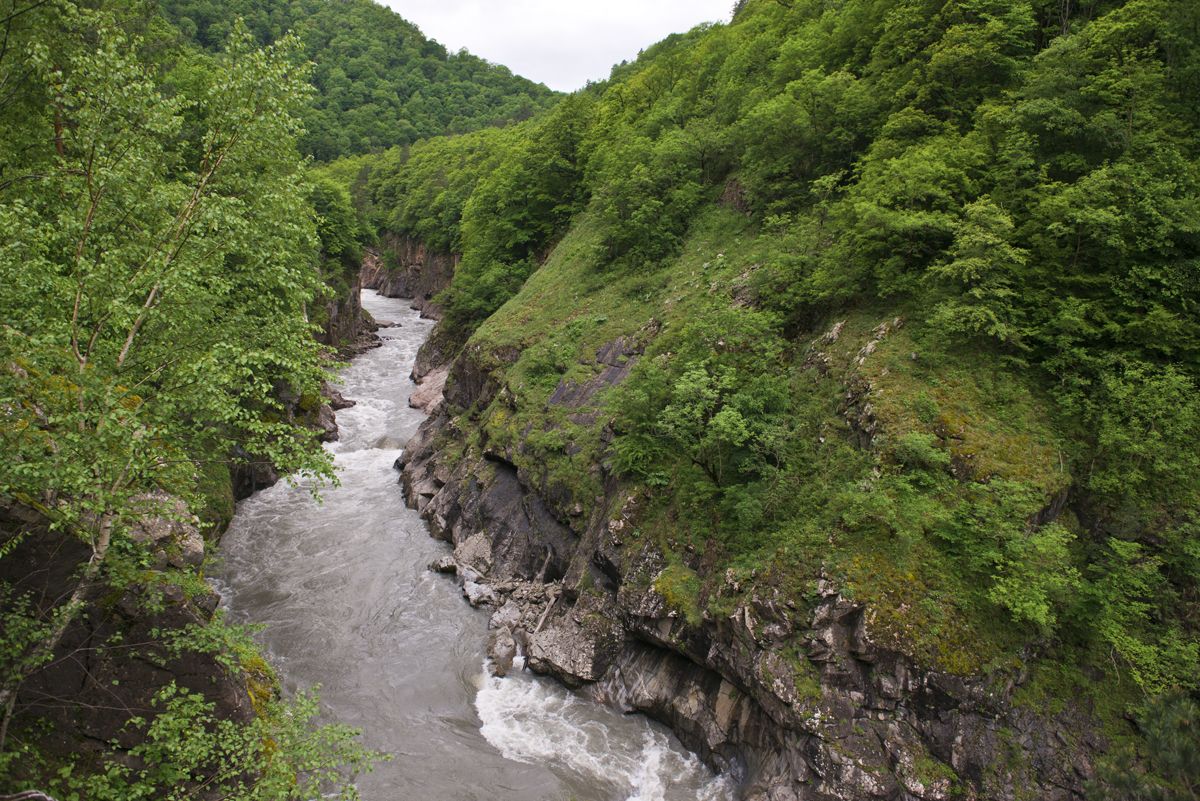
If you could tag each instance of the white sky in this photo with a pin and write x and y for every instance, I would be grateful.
(561, 43)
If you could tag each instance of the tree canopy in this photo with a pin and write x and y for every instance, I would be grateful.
(1013, 188)
(160, 250)
(379, 81)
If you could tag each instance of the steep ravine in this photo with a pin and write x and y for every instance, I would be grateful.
(347, 601)
(566, 587)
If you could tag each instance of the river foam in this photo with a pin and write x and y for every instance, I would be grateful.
(536, 721)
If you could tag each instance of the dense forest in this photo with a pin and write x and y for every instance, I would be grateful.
(917, 286)
(912, 288)
(379, 81)
(169, 265)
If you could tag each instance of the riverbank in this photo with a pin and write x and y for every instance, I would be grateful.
(343, 591)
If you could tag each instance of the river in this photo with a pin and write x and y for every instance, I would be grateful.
(347, 603)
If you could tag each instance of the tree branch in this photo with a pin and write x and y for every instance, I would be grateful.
(9, 18)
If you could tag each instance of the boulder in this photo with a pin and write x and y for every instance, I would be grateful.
(502, 650)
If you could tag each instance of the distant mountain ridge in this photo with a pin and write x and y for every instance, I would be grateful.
(380, 82)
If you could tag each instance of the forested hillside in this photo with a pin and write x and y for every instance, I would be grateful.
(829, 378)
(167, 269)
(379, 81)
(905, 295)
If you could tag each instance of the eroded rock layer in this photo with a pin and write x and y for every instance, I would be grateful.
(798, 701)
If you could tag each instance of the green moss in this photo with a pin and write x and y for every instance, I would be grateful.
(214, 486)
(679, 586)
(992, 420)
(262, 683)
(805, 676)
(931, 771)
(1067, 683)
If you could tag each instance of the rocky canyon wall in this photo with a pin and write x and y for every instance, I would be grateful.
(838, 716)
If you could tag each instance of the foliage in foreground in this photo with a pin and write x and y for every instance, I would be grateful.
(186, 752)
(159, 256)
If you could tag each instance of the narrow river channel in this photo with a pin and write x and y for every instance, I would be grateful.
(347, 603)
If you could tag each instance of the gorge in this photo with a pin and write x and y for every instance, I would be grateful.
(348, 603)
(809, 415)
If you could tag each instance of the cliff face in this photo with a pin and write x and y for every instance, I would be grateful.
(404, 268)
(797, 697)
(117, 653)
(345, 325)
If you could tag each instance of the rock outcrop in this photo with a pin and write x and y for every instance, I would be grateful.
(404, 268)
(115, 656)
(345, 325)
(798, 702)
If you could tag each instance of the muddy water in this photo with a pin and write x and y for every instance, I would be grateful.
(347, 603)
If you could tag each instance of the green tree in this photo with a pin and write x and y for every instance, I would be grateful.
(153, 296)
(1167, 765)
(983, 270)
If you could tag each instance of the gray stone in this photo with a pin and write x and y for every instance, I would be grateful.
(444, 564)
(507, 616)
(479, 594)
(502, 650)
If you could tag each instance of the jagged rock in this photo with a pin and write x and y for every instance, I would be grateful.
(797, 703)
(251, 475)
(336, 401)
(327, 423)
(348, 327)
(502, 649)
(191, 549)
(475, 552)
(479, 594)
(444, 564)
(428, 395)
(85, 692)
(572, 654)
(168, 529)
(417, 273)
(508, 616)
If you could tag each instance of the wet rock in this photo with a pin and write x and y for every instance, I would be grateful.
(444, 564)
(251, 475)
(336, 401)
(502, 650)
(327, 424)
(479, 594)
(568, 657)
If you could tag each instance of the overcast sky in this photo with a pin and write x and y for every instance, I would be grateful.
(561, 43)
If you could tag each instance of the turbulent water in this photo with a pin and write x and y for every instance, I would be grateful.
(347, 603)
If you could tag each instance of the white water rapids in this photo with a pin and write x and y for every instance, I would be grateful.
(347, 603)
